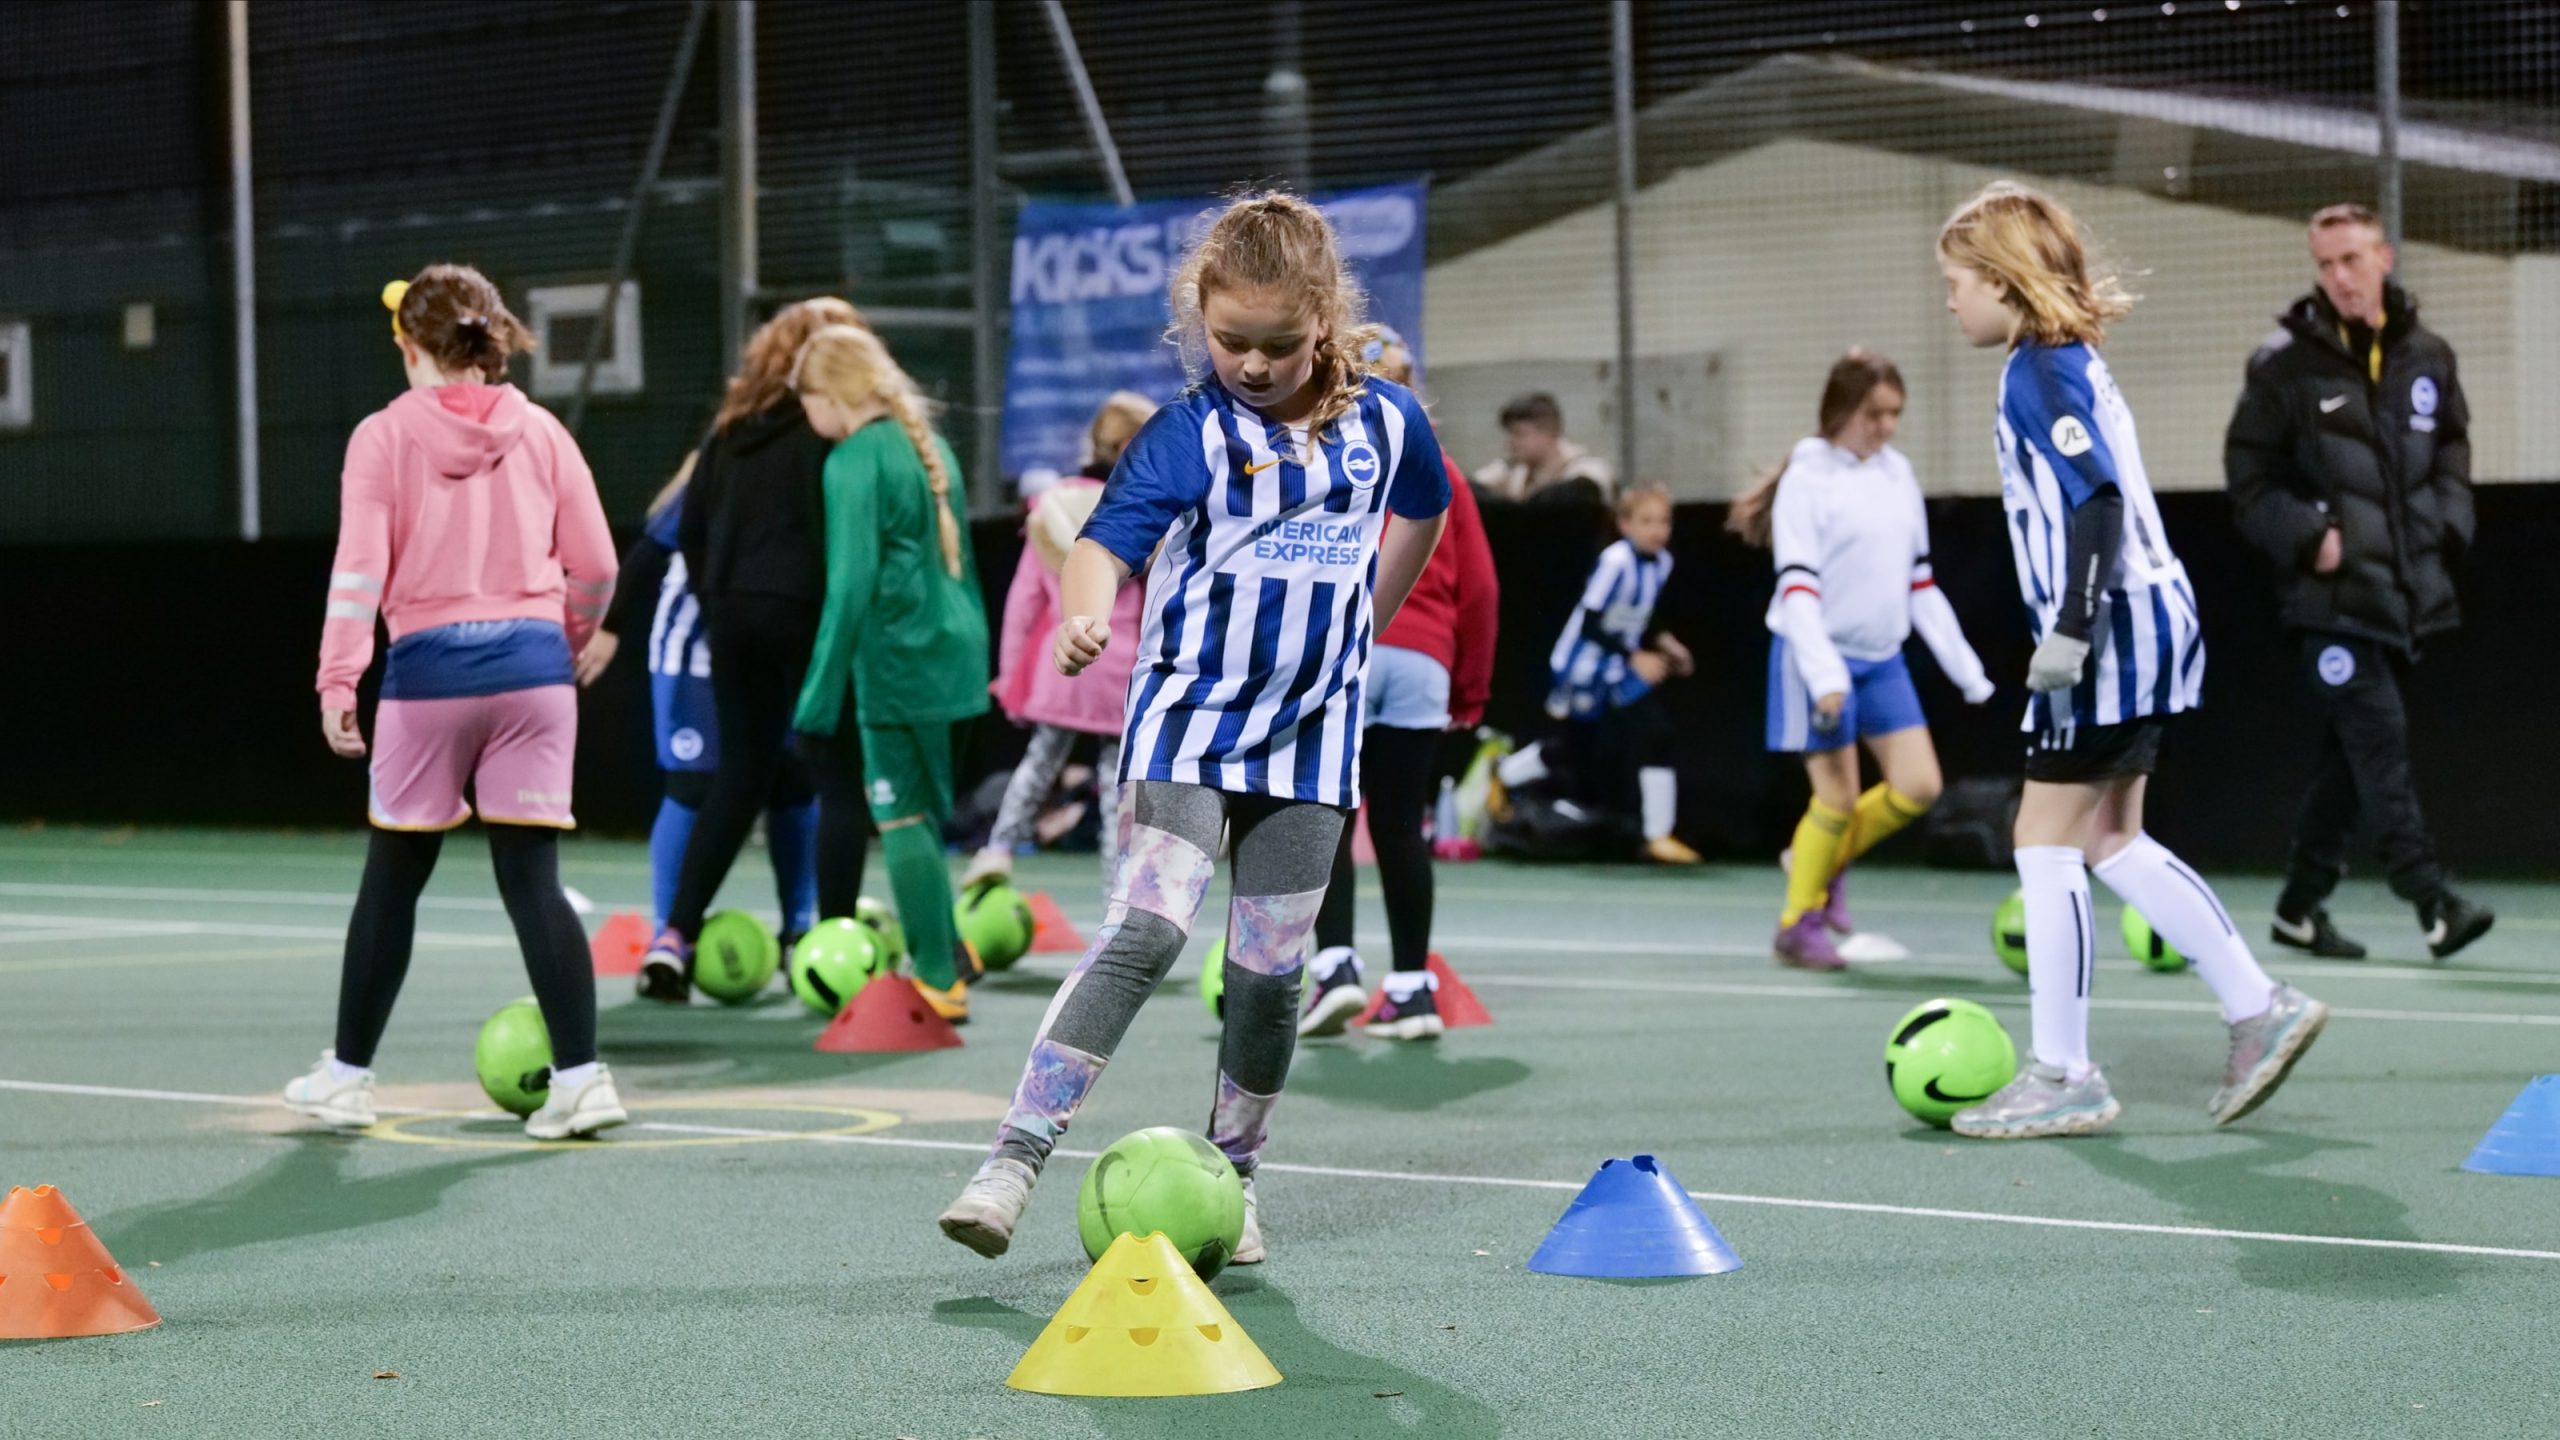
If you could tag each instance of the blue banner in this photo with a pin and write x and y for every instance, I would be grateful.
(1089, 304)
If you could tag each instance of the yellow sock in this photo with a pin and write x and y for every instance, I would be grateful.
(1881, 811)
(1818, 837)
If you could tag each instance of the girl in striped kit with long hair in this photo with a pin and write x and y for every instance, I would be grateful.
(1262, 494)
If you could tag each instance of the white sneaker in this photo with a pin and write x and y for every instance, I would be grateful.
(593, 1106)
(1249, 1249)
(993, 862)
(990, 1205)
(347, 1104)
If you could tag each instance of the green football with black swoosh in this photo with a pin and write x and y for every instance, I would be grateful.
(1947, 1055)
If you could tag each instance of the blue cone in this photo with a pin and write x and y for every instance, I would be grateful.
(2526, 1140)
(1634, 1222)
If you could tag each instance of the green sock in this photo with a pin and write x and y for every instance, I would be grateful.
(922, 883)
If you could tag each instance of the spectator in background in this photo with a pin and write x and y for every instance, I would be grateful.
(1539, 464)
(2349, 464)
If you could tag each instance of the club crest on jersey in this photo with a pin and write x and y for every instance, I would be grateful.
(685, 744)
(2422, 395)
(2337, 666)
(1360, 464)
(2071, 437)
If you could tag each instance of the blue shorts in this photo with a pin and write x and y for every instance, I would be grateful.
(1881, 700)
(687, 725)
(1405, 690)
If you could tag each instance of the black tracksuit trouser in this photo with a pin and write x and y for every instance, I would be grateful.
(2363, 767)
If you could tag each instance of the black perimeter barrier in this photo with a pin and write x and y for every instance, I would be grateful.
(171, 683)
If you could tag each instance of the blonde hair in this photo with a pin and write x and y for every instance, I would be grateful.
(849, 365)
(1277, 242)
(763, 380)
(666, 495)
(1118, 422)
(2028, 242)
(1634, 495)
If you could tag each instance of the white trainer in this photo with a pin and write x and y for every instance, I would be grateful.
(991, 1205)
(1249, 1249)
(347, 1104)
(589, 1108)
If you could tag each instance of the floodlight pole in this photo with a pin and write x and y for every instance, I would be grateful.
(1622, 68)
(1089, 104)
(625, 248)
(2386, 109)
(737, 174)
(986, 266)
(244, 271)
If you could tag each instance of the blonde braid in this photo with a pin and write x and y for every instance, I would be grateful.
(908, 408)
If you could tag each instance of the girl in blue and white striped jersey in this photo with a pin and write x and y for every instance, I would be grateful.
(1262, 492)
(2119, 649)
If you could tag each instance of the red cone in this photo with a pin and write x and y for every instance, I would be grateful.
(1051, 932)
(885, 1017)
(1459, 1006)
(620, 942)
(56, 1280)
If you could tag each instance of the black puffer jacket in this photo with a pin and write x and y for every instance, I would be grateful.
(2317, 442)
(755, 513)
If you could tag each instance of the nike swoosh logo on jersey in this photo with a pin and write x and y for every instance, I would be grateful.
(1265, 465)
(2331, 404)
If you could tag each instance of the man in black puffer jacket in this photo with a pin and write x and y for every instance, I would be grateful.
(2349, 462)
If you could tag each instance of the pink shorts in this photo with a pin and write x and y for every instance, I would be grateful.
(516, 750)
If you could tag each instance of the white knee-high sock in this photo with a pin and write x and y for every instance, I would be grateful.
(2060, 946)
(2183, 911)
(1660, 788)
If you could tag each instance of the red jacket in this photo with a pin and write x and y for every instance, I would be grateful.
(1451, 613)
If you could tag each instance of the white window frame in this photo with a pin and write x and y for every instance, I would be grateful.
(18, 392)
(555, 372)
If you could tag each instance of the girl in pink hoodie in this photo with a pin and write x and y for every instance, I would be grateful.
(1029, 689)
(469, 523)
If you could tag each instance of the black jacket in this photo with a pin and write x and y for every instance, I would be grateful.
(755, 514)
(2317, 442)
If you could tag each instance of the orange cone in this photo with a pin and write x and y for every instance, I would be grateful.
(886, 1016)
(1459, 1006)
(620, 942)
(56, 1280)
(1051, 932)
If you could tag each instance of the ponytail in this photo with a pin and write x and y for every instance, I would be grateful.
(908, 409)
(1750, 516)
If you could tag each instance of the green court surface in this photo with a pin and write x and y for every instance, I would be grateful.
(757, 1254)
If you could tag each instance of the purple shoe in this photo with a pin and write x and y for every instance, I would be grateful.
(1835, 909)
(1805, 945)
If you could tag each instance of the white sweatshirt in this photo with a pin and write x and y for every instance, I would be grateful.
(1851, 539)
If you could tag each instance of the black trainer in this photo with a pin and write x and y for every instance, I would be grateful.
(2313, 934)
(2452, 922)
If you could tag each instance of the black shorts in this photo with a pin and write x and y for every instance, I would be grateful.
(2095, 754)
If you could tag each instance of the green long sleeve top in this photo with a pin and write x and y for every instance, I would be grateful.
(906, 635)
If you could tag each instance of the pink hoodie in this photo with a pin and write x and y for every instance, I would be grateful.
(465, 502)
(1028, 686)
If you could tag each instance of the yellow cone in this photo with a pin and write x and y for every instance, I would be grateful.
(1142, 1324)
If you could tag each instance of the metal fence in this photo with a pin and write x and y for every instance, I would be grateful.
(1671, 216)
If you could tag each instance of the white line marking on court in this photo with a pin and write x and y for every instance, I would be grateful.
(226, 896)
(1843, 992)
(1419, 1177)
(106, 929)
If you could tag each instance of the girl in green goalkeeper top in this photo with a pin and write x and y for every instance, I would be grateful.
(902, 611)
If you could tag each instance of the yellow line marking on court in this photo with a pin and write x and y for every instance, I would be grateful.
(865, 1122)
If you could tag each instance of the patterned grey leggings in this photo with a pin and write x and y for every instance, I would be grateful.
(1283, 857)
(1037, 775)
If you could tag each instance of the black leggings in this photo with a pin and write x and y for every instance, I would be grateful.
(844, 813)
(759, 656)
(380, 933)
(1396, 779)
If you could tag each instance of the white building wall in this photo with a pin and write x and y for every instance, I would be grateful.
(1779, 258)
